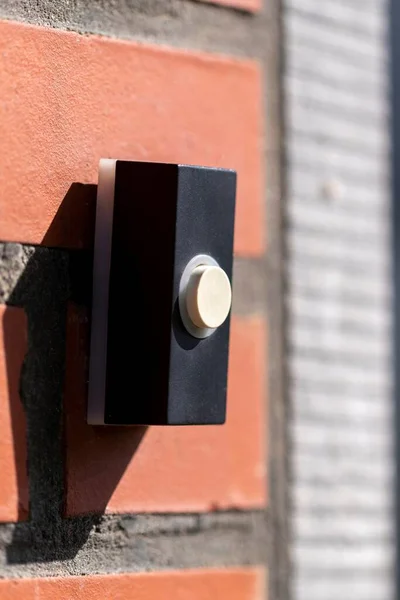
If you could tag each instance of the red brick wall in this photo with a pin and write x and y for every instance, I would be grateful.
(67, 100)
(245, 584)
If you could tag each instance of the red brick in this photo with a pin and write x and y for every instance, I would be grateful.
(249, 5)
(173, 468)
(13, 465)
(235, 584)
(68, 100)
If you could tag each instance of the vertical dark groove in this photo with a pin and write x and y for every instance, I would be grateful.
(394, 20)
(279, 402)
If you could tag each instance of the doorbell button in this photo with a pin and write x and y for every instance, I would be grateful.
(205, 296)
(209, 296)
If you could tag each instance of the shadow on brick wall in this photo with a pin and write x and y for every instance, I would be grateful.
(54, 288)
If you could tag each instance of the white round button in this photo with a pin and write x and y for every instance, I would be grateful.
(209, 296)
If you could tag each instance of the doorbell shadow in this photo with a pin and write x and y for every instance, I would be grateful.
(47, 396)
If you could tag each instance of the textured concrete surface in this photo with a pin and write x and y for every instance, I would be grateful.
(173, 22)
(109, 544)
(338, 299)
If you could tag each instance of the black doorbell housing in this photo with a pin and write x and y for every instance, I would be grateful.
(161, 283)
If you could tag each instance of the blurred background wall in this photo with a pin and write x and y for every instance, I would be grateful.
(338, 297)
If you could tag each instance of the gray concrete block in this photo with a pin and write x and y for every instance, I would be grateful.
(341, 584)
(366, 50)
(322, 556)
(341, 439)
(324, 217)
(319, 369)
(330, 341)
(323, 63)
(314, 281)
(113, 544)
(327, 468)
(362, 411)
(324, 94)
(321, 157)
(309, 250)
(344, 499)
(358, 196)
(351, 123)
(361, 19)
(339, 389)
(358, 529)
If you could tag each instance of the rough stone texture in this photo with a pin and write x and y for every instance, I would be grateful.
(111, 544)
(177, 22)
(338, 299)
